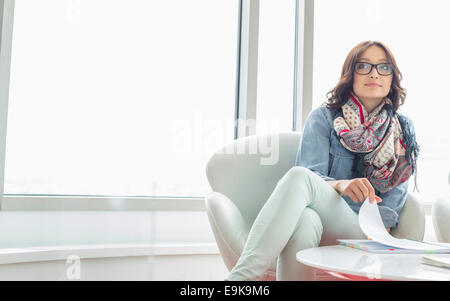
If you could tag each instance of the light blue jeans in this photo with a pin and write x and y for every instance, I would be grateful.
(302, 212)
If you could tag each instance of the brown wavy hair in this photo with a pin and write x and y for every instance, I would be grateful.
(338, 96)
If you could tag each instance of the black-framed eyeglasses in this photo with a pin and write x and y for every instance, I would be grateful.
(364, 68)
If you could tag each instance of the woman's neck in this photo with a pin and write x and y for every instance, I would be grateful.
(369, 103)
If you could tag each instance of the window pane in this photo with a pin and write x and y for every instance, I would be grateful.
(341, 25)
(112, 97)
(275, 66)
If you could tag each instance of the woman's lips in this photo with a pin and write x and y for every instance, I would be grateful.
(373, 85)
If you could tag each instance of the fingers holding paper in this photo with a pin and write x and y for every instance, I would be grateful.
(359, 189)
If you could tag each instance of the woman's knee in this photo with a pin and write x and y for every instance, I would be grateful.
(297, 173)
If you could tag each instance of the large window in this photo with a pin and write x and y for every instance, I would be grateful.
(412, 29)
(114, 97)
(109, 97)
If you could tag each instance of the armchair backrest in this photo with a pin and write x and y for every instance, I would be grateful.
(248, 169)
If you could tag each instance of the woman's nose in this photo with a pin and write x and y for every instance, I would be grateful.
(373, 73)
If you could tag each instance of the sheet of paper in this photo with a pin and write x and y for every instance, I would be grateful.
(437, 260)
(372, 225)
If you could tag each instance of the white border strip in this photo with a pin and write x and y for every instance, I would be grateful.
(101, 203)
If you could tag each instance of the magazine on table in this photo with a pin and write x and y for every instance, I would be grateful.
(382, 242)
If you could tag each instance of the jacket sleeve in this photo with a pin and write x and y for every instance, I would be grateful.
(314, 148)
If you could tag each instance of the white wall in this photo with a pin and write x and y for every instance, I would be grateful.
(186, 246)
(43, 228)
(189, 229)
(171, 268)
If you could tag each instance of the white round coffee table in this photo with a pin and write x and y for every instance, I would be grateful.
(354, 264)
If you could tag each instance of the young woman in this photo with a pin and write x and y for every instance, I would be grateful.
(357, 146)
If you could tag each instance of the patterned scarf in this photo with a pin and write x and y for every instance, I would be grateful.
(378, 138)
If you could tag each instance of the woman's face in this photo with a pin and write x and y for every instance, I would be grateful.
(373, 87)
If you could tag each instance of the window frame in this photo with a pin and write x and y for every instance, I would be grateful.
(248, 23)
(303, 64)
(6, 29)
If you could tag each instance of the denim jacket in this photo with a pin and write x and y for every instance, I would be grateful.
(321, 151)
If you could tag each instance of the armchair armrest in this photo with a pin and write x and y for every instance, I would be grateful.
(440, 213)
(411, 223)
(228, 225)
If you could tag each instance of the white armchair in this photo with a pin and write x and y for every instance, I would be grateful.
(440, 214)
(240, 186)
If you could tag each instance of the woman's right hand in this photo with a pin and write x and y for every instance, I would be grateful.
(358, 190)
